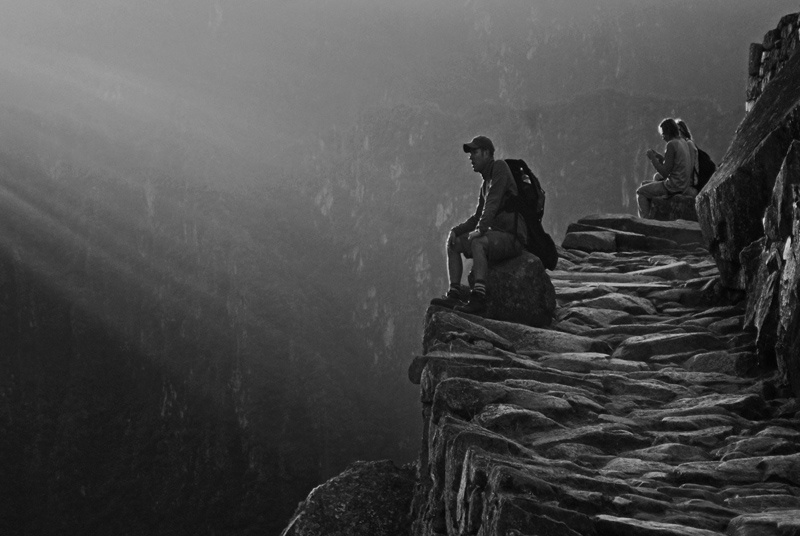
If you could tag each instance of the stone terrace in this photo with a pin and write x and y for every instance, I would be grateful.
(640, 411)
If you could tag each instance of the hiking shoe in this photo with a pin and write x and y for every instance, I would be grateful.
(475, 306)
(451, 299)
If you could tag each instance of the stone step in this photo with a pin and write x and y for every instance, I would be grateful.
(670, 428)
(640, 410)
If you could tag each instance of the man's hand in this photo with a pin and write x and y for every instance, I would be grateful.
(655, 156)
(474, 234)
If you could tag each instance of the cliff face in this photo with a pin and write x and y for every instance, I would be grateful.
(749, 209)
(642, 410)
(653, 404)
(622, 419)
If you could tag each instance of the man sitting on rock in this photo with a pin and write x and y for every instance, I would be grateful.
(491, 234)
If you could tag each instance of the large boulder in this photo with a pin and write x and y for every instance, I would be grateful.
(772, 277)
(624, 240)
(762, 303)
(778, 214)
(680, 231)
(368, 498)
(787, 347)
(590, 241)
(519, 290)
(673, 207)
(731, 207)
(444, 327)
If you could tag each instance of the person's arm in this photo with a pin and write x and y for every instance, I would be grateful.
(664, 167)
(498, 185)
(652, 153)
(470, 223)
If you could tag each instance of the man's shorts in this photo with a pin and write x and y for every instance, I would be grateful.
(502, 246)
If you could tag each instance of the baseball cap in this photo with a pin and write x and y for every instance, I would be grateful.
(479, 142)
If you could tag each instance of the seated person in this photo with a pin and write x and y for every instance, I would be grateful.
(674, 168)
(491, 234)
(687, 135)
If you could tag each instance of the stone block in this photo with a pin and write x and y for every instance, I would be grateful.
(368, 498)
(678, 270)
(733, 364)
(754, 63)
(532, 340)
(643, 347)
(753, 87)
(787, 346)
(595, 317)
(621, 302)
(778, 215)
(627, 241)
(583, 362)
(590, 241)
(510, 419)
(674, 207)
(519, 290)
(770, 38)
(680, 231)
(443, 326)
(769, 523)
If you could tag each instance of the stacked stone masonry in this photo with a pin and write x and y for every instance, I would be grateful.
(768, 57)
(642, 409)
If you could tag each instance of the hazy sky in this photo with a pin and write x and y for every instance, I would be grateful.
(259, 78)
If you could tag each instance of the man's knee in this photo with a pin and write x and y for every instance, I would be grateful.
(651, 189)
(643, 190)
(500, 246)
(460, 246)
(479, 244)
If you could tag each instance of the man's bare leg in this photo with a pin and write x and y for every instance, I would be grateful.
(480, 269)
(455, 266)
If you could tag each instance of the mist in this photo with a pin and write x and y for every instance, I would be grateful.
(221, 221)
(252, 84)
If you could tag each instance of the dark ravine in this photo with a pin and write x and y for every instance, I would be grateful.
(661, 400)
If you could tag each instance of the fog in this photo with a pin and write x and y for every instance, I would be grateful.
(257, 81)
(221, 221)
(254, 81)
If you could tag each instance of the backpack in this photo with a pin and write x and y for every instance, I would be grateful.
(529, 188)
(705, 168)
(529, 203)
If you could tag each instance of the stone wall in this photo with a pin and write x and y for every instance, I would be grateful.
(768, 57)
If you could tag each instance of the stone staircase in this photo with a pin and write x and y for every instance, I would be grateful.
(642, 410)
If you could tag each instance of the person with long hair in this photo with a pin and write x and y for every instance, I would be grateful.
(673, 168)
(687, 135)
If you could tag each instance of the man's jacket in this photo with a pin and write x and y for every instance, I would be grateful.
(498, 185)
